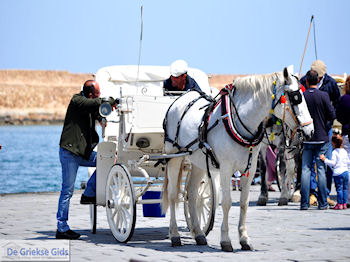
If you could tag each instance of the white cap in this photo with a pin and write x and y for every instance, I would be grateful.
(320, 67)
(179, 67)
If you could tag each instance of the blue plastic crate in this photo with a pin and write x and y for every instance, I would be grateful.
(152, 210)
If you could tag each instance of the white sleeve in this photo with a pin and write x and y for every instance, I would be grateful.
(333, 161)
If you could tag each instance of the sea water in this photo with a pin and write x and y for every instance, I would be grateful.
(29, 160)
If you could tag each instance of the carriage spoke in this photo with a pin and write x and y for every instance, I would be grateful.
(117, 219)
(122, 224)
(204, 218)
(205, 197)
(204, 188)
(114, 213)
(206, 207)
(115, 181)
(123, 187)
(124, 219)
(116, 189)
(126, 202)
(113, 191)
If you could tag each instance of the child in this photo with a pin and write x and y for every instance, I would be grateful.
(339, 163)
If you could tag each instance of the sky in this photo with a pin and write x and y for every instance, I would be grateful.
(218, 37)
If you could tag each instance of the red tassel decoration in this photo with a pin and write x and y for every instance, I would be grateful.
(245, 174)
(283, 99)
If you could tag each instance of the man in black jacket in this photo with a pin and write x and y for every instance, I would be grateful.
(327, 84)
(321, 111)
(78, 139)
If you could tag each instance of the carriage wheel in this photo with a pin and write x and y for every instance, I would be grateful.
(120, 203)
(206, 204)
(93, 218)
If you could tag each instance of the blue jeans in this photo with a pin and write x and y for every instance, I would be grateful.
(329, 172)
(70, 164)
(311, 151)
(341, 184)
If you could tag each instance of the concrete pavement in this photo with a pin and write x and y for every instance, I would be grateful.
(277, 233)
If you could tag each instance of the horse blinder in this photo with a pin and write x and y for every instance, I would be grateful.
(295, 97)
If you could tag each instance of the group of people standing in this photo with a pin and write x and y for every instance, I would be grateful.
(326, 154)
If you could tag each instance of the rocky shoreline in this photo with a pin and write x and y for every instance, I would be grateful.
(29, 122)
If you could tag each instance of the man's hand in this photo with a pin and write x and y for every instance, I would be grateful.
(322, 157)
(103, 122)
(113, 102)
(116, 103)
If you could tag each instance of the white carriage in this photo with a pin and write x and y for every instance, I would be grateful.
(131, 158)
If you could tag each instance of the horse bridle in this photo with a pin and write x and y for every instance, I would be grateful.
(295, 98)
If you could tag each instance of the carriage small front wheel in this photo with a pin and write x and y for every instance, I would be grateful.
(206, 204)
(120, 203)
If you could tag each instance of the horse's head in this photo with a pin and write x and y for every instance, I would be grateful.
(290, 105)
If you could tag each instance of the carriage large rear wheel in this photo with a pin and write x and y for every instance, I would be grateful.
(206, 204)
(120, 203)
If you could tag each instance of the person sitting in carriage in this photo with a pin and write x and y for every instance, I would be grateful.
(179, 80)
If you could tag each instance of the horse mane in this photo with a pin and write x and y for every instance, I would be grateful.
(258, 85)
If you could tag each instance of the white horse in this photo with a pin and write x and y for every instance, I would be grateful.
(253, 98)
(289, 149)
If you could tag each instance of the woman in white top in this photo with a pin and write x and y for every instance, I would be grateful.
(339, 163)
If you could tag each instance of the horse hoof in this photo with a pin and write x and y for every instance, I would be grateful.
(175, 241)
(246, 246)
(283, 202)
(226, 246)
(201, 240)
(261, 201)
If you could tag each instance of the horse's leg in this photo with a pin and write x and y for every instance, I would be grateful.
(226, 203)
(297, 161)
(192, 191)
(263, 197)
(173, 172)
(283, 201)
(244, 204)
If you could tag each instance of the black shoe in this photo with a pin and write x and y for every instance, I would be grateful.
(69, 234)
(85, 200)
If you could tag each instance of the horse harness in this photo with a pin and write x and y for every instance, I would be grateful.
(227, 104)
